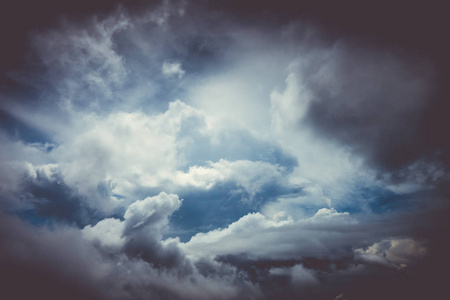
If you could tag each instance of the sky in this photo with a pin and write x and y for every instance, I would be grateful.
(224, 150)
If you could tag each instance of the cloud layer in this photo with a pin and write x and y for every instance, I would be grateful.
(177, 151)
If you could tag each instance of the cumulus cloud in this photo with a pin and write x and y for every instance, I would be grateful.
(70, 264)
(288, 168)
(318, 236)
(107, 232)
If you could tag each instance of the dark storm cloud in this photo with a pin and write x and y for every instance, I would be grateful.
(62, 262)
(417, 281)
(356, 276)
(372, 102)
(45, 263)
(365, 273)
(18, 19)
(143, 223)
(53, 199)
(396, 47)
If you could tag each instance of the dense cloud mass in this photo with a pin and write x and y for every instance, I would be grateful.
(223, 150)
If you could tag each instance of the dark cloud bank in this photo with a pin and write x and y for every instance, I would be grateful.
(224, 150)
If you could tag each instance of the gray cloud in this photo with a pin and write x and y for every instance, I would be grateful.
(371, 100)
(67, 262)
(276, 124)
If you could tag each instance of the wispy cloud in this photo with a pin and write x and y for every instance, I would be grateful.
(170, 69)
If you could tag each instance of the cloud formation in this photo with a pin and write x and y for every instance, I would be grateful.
(170, 69)
(177, 151)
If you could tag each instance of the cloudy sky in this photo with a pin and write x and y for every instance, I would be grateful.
(224, 150)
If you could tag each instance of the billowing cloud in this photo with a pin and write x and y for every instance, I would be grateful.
(180, 151)
(280, 237)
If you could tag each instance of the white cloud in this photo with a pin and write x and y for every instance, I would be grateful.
(320, 236)
(111, 140)
(108, 232)
(288, 109)
(152, 211)
(19, 162)
(251, 176)
(170, 69)
(126, 154)
(150, 214)
(125, 151)
(269, 94)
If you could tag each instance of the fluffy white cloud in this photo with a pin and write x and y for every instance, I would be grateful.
(321, 235)
(152, 211)
(121, 151)
(170, 69)
(150, 214)
(110, 160)
(108, 232)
